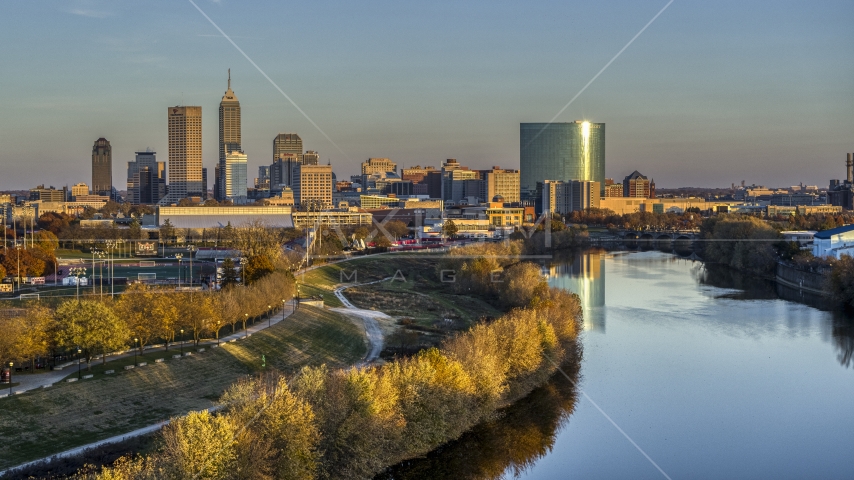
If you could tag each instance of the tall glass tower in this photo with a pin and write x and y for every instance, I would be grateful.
(560, 151)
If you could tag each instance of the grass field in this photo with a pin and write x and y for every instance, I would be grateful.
(47, 421)
(414, 292)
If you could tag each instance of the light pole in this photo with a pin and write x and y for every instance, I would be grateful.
(217, 331)
(192, 249)
(135, 346)
(179, 257)
(297, 295)
(269, 316)
(182, 342)
(243, 270)
(246, 329)
(11, 364)
(79, 351)
(101, 255)
(283, 309)
(78, 272)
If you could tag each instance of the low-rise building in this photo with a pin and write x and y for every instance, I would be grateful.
(834, 242)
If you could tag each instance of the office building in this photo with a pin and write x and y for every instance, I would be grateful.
(500, 182)
(78, 189)
(146, 180)
(50, 194)
(233, 174)
(185, 154)
(560, 151)
(229, 136)
(416, 174)
(263, 178)
(102, 168)
(287, 143)
(454, 176)
(282, 170)
(637, 185)
(312, 186)
(310, 157)
(562, 197)
(378, 165)
(613, 189)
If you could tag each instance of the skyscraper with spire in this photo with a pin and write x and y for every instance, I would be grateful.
(229, 136)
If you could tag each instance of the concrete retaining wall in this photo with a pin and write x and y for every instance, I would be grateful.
(794, 277)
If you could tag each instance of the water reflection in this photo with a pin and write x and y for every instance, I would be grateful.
(506, 445)
(583, 274)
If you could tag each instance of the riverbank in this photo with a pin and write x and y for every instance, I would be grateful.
(367, 419)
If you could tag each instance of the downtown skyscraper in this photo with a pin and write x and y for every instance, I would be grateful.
(185, 154)
(229, 141)
(102, 168)
(560, 152)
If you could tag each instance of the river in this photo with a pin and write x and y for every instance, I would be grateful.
(710, 374)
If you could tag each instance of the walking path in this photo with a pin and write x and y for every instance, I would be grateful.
(372, 332)
(39, 380)
(369, 317)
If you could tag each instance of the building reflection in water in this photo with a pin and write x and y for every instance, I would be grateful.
(583, 274)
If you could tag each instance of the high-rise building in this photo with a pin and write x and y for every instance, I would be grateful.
(454, 176)
(378, 165)
(636, 185)
(234, 177)
(229, 134)
(49, 194)
(560, 197)
(102, 168)
(310, 157)
(282, 170)
(500, 182)
(416, 174)
(263, 179)
(146, 183)
(312, 186)
(560, 151)
(287, 143)
(185, 154)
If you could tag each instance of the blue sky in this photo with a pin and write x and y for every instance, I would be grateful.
(711, 93)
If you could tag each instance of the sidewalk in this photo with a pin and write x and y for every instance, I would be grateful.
(33, 381)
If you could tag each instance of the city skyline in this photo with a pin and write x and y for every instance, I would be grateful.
(734, 99)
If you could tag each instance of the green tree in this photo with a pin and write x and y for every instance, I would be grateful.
(229, 273)
(841, 280)
(167, 232)
(135, 231)
(90, 325)
(397, 229)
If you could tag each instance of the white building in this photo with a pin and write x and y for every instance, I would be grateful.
(834, 242)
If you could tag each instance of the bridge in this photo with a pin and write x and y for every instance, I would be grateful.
(660, 235)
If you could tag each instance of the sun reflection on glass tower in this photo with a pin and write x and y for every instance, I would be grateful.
(585, 277)
(560, 151)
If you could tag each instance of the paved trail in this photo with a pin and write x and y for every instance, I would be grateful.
(369, 317)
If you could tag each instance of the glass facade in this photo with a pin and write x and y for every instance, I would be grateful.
(560, 151)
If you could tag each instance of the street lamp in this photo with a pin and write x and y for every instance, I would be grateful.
(269, 316)
(182, 342)
(11, 364)
(283, 309)
(297, 295)
(243, 270)
(192, 249)
(135, 346)
(179, 257)
(79, 351)
(245, 329)
(217, 331)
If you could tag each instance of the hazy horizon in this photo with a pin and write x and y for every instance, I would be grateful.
(707, 96)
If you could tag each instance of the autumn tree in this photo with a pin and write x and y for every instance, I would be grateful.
(257, 266)
(35, 328)
(449, 229)
(200, 445)
(257, 238)
(90, 325)
(140, 309)
(397, 229)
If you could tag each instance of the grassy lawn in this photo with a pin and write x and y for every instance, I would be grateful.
(415, 291)
(46, 421)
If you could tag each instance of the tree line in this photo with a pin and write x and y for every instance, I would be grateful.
(354, 423)
(141, 316)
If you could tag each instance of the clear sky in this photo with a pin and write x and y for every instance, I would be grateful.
(711, 93)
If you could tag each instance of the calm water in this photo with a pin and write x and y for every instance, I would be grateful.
(712, 375)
